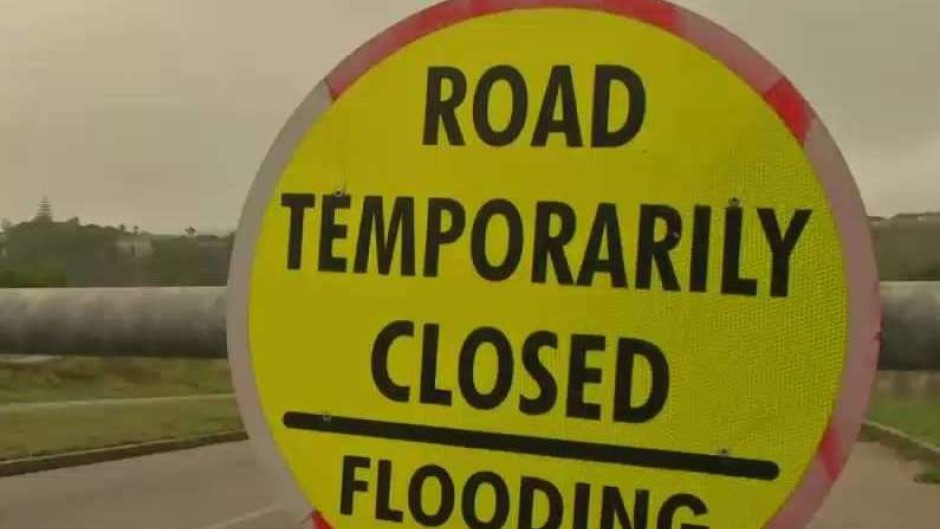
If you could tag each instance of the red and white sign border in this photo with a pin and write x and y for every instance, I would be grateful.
(864, 316)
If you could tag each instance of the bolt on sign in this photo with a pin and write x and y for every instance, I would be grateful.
(554, 264)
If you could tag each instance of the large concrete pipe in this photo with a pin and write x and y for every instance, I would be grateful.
(190, 322)
(910, 326)
(157, 322)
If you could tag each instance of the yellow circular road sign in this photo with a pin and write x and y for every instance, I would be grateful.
(554, 264)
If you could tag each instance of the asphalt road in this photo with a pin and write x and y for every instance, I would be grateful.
(219, 488)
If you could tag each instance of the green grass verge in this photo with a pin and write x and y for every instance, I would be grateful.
(77, 378)
(931, 476)
(917, 417)
(50, 431)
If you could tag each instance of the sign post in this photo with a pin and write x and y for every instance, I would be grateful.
(554, 264)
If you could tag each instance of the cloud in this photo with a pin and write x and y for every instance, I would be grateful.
(158, 114)
(903, 175)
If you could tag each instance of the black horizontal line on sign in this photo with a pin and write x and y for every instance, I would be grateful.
(537, 446)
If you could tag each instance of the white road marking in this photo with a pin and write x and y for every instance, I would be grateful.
(244, 518)
(55, 405)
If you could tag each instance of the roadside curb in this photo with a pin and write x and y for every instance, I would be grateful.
(900, 441)
(100, 455)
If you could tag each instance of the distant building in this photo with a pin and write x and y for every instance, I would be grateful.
(211, 242)
(929, 217)
(139, 246)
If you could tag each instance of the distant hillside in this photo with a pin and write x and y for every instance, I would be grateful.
(907, 247)
(45, 253)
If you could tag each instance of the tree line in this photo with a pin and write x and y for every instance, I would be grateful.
(908, 251)
(45, 253)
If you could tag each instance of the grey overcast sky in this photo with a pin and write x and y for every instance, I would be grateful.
(158, 113)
